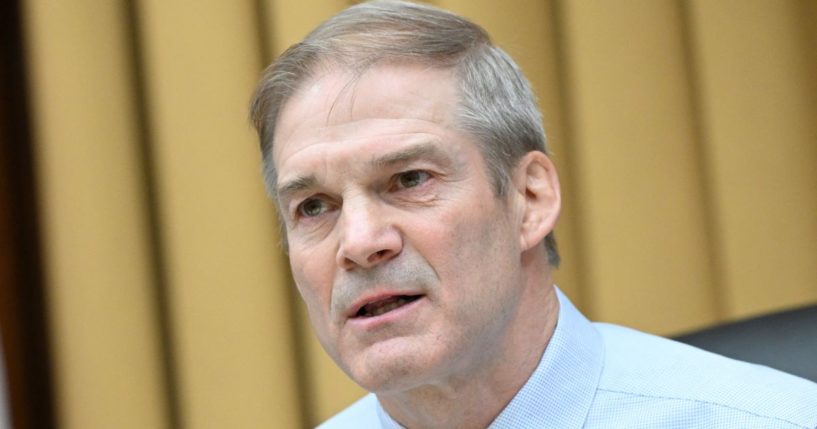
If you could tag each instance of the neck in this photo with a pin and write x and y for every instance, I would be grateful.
(475, 399)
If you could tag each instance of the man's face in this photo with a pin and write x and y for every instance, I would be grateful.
(408, 262)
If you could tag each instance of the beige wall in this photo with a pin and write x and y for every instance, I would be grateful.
(684, 132)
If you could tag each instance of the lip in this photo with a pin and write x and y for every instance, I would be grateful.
(353, 309)
(374, 296)
(392, 316)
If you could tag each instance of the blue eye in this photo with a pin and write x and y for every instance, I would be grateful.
(413, 178)
(312, 207)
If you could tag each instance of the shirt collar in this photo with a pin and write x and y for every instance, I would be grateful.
(560, 391)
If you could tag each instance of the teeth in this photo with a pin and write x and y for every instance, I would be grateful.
(373, 310)
(388, 307)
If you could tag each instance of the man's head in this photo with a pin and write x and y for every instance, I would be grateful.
(406, 156)
(495, 101)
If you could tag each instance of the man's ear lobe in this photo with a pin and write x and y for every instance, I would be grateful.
(536, 182)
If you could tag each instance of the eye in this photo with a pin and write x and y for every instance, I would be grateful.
(312, 207)
(411, 179)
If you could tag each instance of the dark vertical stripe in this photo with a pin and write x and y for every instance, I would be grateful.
(157, 259)
(705, 177)
(296, 331)
(23, 315)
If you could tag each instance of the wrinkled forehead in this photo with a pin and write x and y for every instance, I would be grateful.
(334, 96)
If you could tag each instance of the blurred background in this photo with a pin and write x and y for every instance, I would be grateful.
(141, 281)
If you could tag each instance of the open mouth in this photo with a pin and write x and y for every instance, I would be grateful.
(383, 306)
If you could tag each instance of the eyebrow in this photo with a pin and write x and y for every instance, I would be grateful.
(296, 185)
(428, 150)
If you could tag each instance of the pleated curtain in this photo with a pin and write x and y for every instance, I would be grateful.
(685, 133)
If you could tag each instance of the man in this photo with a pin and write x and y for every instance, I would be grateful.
(407, 158)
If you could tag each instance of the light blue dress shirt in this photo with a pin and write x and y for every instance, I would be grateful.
(596, 375)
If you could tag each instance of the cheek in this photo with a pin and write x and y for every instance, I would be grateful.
(476, 236)
(316, 294)
(313, 276)
(480, 254)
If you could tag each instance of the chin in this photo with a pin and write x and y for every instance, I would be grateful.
(385, 369)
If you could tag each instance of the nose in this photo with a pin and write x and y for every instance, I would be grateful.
(367, 237)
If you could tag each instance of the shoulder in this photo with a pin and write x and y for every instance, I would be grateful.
(643, 367)
(362, 413)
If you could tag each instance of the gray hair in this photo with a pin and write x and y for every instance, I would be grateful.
(496, 105)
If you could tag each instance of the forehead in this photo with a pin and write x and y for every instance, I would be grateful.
(386, 100)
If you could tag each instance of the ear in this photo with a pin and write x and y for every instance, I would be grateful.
(537, 184)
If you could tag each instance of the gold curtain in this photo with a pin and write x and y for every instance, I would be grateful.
(684, 132)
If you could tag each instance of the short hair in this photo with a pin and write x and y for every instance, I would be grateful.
(496, 104)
